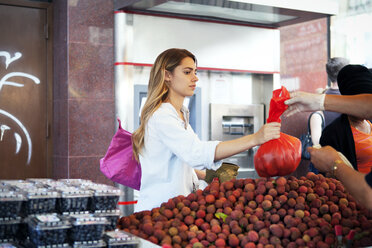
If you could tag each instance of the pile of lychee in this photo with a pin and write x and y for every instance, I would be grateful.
(262, 212)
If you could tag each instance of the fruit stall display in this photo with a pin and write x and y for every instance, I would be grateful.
(262, 212)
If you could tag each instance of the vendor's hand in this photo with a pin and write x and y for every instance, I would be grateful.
(304, 101)
(323, 158)
(268, 132)
(226, 172)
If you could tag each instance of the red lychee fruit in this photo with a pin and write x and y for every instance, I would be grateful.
(189, 220)
(272, 192)
(233, 240)
(220, 242)
(266, 205)
(253, 236)
(249, 187)
(281, 181)
(210, 198)
(228, 185)
(216, 229)
(276, 230)
(148, 228)
(200, 214)
(173, 231)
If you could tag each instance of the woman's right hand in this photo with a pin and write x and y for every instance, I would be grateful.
(268, 132)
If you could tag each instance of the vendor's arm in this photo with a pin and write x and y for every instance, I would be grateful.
(229, 148)
(356, 105)
(324, 159)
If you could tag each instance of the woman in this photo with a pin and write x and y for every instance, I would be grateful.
(349, 134)
(165, 144)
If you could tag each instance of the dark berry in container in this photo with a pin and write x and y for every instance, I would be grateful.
(111, 215)
(18, 185)
(86, 227)
(5, 188)
(40, 201)
(73, 199)
(41, 182)
(22, 233)
(47, 229)
(55, 184)
(89, 244)
(120, 239)
(9, 227)
(28, 244)
(104, 197)
(8, 245)
(11, 203)
(76, 182)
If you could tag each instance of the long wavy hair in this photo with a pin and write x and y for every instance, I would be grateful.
(157, 91)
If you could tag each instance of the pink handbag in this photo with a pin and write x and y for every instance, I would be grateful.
(119, 165)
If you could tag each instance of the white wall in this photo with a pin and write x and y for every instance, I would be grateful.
(214, 45)
(140, 39)
(351, 37)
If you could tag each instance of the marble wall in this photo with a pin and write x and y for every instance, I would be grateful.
(303, 56)
(84, 104)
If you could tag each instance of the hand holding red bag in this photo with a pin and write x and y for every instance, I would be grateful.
(278, 157)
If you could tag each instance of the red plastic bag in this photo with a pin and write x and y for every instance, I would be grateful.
(278, 157)
(119, 164)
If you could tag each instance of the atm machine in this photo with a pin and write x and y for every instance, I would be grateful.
(230, 121)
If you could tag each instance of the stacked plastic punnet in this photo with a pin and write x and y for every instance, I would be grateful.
(45, 213)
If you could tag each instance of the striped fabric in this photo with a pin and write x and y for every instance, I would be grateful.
(363, 148)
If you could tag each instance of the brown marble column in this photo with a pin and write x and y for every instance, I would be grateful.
(84, 104)
(303, 56)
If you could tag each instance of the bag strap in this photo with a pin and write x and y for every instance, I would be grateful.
(119, 122)
(308, 121)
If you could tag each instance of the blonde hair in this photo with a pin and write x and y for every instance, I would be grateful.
(157, 91)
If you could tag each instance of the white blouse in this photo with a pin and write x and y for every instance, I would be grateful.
(170, 154)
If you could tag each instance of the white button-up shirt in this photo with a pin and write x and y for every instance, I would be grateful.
(170, 154)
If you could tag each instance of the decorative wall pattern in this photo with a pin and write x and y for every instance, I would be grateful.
(5, 81)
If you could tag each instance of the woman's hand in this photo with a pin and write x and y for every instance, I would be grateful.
(200, 174)
(229, 148)
(268, 132)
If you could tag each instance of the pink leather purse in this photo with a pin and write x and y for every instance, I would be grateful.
(119, 164)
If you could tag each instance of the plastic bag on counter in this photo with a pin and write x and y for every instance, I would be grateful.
(278, 157)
